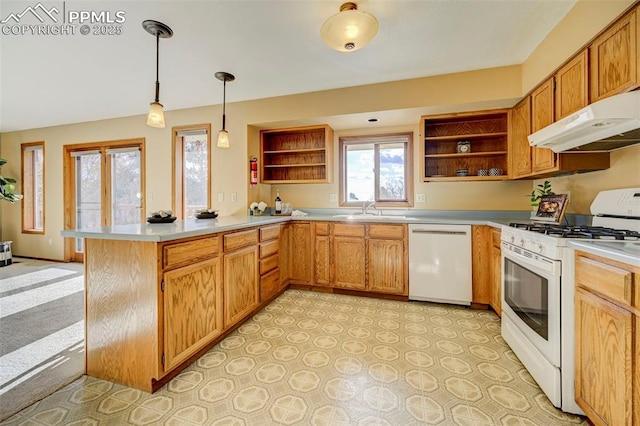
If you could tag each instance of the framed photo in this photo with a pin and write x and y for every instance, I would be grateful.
(551, 208)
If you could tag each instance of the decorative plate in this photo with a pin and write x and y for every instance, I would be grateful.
(207, 215)
(169, 219)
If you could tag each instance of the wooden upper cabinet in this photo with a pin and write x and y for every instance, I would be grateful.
(572, 86)
(542, 114)
(519, 149)
(614, 58)
(297, 155)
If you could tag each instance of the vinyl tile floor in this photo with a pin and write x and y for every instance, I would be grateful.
(313, 358)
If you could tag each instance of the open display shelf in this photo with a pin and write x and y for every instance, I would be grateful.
(296, 155)
(485, 133)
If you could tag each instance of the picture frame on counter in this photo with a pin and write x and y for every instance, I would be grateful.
(551, 208)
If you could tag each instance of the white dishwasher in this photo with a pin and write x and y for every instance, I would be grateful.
(440, 263)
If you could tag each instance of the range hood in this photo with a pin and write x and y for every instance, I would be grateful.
(605, 125)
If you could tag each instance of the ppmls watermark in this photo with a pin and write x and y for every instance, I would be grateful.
(60, 20)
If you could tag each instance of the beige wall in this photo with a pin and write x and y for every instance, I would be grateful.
(624, 173)
(497, 87)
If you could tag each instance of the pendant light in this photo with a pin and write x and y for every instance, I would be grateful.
(157, 29)
(223, 135)
(349, 29)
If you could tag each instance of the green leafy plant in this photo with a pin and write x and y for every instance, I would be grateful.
(7, 186)
(540, 191)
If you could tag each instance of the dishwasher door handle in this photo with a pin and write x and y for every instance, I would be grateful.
(432, 232)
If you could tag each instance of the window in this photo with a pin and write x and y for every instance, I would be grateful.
(191, 169)
(33, 187)
(376, 168)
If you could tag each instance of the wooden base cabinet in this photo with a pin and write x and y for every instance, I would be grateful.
(192, 309)
(607, 299)
(496, 272)
(241, 292)
(367, 257)
(386, 268)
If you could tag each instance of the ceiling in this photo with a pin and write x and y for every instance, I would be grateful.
(273, 47)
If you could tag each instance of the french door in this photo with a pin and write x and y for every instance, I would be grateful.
(104, 186)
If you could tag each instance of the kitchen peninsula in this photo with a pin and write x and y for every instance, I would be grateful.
(156, 296)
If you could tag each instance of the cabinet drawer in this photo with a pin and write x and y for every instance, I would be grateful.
(269, 248)
(190, 251)
(321, 228)
(395, 232)
(269, 284)
(610, 281)
(240, 239)
(269, 264)
(495, 238)
(348, 230)
(269, 232)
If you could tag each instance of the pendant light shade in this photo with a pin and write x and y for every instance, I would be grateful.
(223, 135)
(158, 30)
(223, 139)
(156, 115)
(350, 29)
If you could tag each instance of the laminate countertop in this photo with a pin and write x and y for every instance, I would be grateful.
(196, 227)
(623, 251)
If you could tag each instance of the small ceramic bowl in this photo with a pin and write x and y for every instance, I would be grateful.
(483, 172)
(462, 172)
(494, 171)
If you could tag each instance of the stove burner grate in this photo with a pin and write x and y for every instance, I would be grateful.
(581, 231)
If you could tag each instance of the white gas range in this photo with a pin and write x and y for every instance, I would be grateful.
(538, 275)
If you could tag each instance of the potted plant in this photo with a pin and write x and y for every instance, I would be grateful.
(540, 191)
(7, 186)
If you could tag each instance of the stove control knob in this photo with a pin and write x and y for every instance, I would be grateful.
(512, 239)
(538, 247)
(521, 242)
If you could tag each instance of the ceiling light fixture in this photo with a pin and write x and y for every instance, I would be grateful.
(349, 29)
(157, 29)
(223, 135)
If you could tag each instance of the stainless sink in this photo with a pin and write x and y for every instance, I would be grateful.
(361, 216)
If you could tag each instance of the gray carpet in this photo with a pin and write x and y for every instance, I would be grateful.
(41, 330)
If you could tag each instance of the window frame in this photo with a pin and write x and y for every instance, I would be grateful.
(177, 166)
(29, 207)
(378, 140)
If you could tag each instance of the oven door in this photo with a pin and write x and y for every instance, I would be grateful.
(531, 298)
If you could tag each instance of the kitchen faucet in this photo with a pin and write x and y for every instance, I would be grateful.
(368, 204)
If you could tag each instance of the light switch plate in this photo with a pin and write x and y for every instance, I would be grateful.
(220, 197)
(333, 198)
(234, 197)
(421, 198)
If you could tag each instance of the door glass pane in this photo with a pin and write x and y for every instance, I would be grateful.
(126, 203)
(527, 294)
(38, 188)
(88, 184)
(195, 173)
(392, 172)
(360, 172)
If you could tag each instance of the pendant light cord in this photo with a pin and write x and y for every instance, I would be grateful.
(224, 102)
(157, 66)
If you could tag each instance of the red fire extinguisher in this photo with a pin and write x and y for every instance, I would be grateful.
(253, 171)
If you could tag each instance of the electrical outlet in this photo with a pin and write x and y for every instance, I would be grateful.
(333, 198)
(234, 197)
(221, 197)
(421, 198)
(150, 196)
